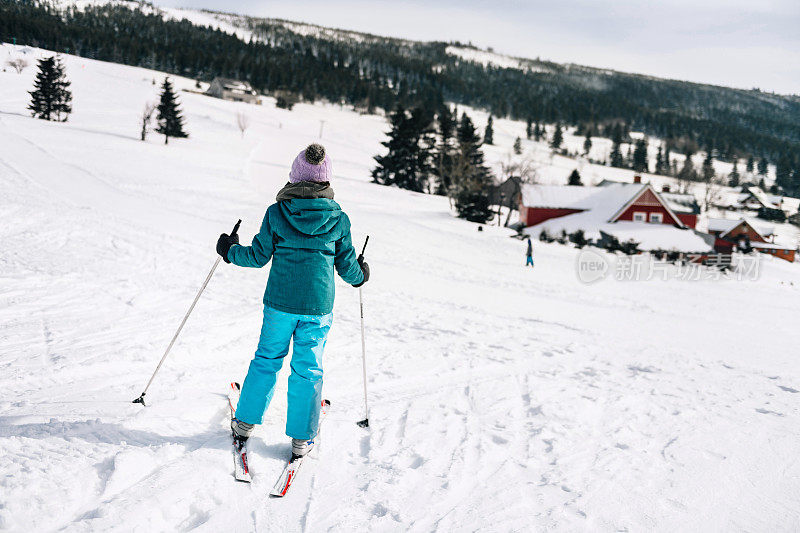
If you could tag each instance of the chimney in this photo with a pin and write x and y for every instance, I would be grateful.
(665, 188)
(637, 179)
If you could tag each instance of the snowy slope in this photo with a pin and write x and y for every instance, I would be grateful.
(502, 398)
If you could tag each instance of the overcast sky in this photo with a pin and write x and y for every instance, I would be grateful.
(753, 43)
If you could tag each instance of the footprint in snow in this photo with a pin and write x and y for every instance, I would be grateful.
(642, 369)
(499, 440)
(788, 389)
(768, 412)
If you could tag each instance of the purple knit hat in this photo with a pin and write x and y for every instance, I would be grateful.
(312, 164)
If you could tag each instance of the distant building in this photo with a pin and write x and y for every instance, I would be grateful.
(627, 211)
(234, 90)
(737, 235)
(752, 198)
(684, 205)
(506, 194)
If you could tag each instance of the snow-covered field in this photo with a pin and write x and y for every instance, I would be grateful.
(503, 399)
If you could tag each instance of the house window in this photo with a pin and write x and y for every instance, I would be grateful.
(639, 216)
(656, 218)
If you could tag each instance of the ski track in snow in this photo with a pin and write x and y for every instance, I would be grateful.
(502, 399)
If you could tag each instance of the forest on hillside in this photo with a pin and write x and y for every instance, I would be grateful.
(371, 72)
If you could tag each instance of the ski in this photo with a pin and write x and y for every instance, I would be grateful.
(289, 473)
(241, 468)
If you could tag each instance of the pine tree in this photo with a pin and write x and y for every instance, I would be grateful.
(444, 154)
(473, 179)
(616, 154)
(50, 99)
(795, 189)
(538, 132)
(574, 178)
(640, 163)
(397, 158)
(708, 166)
(488, 134)
(170, 120)
(587, 142)
(762, 166)
(669, 164)
(409, 163)
(783, 172)
(687, 171)
(660, 167)
(626, 131)
(558, 137)
(733, 177)
(518, 146)
(529, 128)
(750, 164)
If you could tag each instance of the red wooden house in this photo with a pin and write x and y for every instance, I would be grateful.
(732, 235)
(629, 211)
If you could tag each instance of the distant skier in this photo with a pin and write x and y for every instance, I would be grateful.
(307, 235)
(529, 254)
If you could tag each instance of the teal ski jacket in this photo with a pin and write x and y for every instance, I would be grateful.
(306, 235)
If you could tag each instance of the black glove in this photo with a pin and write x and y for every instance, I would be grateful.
(224, 244)
(364, 269)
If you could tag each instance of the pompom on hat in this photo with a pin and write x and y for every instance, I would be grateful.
(312, 164)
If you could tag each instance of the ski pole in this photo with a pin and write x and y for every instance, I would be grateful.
(363, 423)
(140, 399)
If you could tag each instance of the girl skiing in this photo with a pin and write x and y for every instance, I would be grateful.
(306, 235)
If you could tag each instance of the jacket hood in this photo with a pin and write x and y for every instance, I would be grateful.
(311, 216)
(305, 189)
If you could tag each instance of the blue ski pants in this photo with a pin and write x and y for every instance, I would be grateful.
(309, 333)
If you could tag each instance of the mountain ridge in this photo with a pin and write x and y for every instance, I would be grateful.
(373, 72)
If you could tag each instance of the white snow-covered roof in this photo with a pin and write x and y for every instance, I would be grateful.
(237, 86)
(724, 225)
(556, 196)
(791, 205)
(763, 198)
(658, 237)
(729, 198)
(649, 236)
(680, 203)
(770, 245)
(770, 201)
(607, 200)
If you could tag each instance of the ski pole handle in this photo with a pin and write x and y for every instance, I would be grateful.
(236, 228)
(364, 249)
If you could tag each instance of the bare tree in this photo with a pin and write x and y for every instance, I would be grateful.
(243, 121)
(147, 116)
(18, 64)
(524, 167)
(520, 170)
(712, 191)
